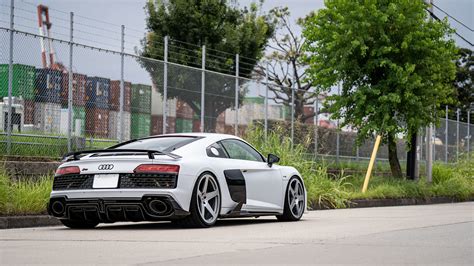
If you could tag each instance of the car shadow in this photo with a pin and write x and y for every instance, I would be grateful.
(166, 225)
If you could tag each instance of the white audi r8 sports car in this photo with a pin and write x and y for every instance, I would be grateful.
(192, 179)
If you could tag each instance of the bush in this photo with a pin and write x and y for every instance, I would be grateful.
(321, 189)
(336, 191)
(24, 196)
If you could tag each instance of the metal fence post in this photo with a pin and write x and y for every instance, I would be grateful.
(266, 102)
(236, 125)
(292, 114)
(446, 136)
(203, 85)
(458, 113)
(122, 85)
(429, 153)
(165, 85)
(468, 132)
(316, 122)
(10, 80)
(337, 128)
(70, 88)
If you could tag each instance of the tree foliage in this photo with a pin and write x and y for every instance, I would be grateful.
(394, 64)
(225, 30)
(463, 81)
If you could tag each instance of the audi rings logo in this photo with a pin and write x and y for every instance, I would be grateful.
(106, 167)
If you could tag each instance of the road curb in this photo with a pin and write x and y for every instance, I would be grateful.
(369, 203)
(28, 221)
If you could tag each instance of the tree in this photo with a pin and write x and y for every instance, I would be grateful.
(463, 81)
(220, 25)
(285, 67)
(394, 64)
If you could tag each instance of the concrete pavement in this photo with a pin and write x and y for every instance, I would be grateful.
(425, 234)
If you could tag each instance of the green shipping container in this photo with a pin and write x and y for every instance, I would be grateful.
(141, 99)
(79, 120)
(184, 125)
(23, 81)
(140, 125)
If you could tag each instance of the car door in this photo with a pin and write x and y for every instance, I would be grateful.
(263, 184)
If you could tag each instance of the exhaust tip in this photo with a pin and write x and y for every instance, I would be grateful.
(57, 208)
(159, 207)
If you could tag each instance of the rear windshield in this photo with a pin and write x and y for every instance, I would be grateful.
(167, 144)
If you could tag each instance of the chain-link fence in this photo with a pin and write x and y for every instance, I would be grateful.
(90, 97)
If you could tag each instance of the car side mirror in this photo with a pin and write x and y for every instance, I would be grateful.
(272, 158)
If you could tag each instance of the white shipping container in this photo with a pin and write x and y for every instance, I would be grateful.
(253, 111)
(114, 124)
(63, 123)
(18, 117)
(157, 104)
(48, 117)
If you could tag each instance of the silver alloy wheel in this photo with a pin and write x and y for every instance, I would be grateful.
(296, 197)
(208, 198)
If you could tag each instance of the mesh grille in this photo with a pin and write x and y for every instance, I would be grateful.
(148, 181)
(67, 182)
(72, 182)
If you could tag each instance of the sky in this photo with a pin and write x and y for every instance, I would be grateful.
(97, 23)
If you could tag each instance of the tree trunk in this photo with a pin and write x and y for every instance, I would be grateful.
(393, 157)
(210, 124)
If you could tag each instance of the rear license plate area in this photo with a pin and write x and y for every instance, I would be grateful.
(105, 181)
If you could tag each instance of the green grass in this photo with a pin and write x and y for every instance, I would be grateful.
(42, 145)
(24, 197)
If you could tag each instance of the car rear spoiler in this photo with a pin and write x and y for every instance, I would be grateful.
(74, 156)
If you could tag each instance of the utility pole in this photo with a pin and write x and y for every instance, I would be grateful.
(165, 85)
(203, 85)
(236, 125)
(10, 80)
(70, 84)
(429, 135)
(122, 84)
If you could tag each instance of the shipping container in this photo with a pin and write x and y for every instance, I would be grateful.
(97, 122)
(140, 125)
(79, 82)
(114, 125)
(183, 110)
(79, 121)
(17, 117)
(196, 125)
(157, 104)
(184, 125)
(97, 92)
(141, 99)
(29, 108)
(23, 83)
(157, 125)
(47, 117)
(48, 85)
(114, 99)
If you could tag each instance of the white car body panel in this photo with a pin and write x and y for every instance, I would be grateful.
(265, 185)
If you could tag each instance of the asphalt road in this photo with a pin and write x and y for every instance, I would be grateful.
(430, 234)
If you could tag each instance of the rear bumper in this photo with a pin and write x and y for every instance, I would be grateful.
(150, 207)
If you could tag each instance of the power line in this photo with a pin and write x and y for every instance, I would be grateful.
(455, 19)
(457, 34)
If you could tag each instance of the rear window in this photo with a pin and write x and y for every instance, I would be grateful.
(167, 144)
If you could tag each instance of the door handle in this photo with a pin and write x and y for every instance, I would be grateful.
(245, 171)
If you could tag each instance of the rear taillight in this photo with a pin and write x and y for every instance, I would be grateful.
(68, 170)
(157, 168)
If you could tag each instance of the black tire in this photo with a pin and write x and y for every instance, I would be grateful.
(78, 224)
(288, 215)
(194, 220)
